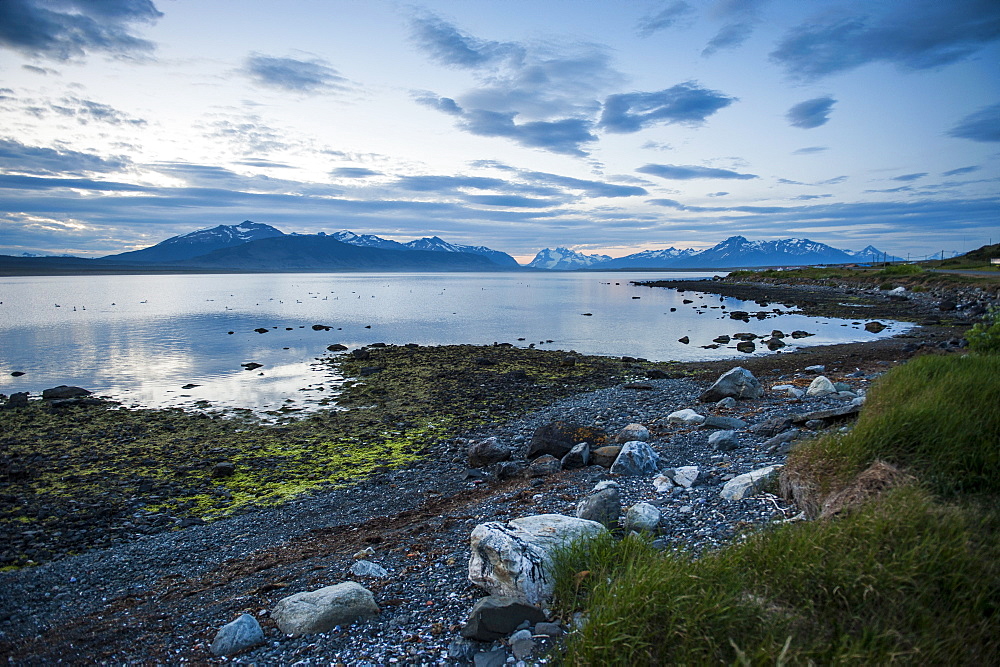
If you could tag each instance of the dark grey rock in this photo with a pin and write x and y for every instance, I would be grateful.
(63, 391)
(18, 399)
(496, 616)
(559, 437)
(723, 441)
(603, 504)
(826, 415)
(543, 466)
(223, 469)
(718, 422)
(737, 382)
(578, 457)
(234, 637)
(487, 452)
(771, 427)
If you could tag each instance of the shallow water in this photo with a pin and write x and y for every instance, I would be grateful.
(140, 339)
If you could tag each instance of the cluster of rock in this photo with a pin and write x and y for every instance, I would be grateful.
(63, 395)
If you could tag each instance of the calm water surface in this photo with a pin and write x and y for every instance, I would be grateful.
(140, 339)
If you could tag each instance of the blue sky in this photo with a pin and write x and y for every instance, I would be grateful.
(606, 127)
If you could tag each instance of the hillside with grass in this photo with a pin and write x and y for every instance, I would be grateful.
(898, 562)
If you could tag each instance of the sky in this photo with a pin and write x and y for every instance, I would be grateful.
(601, 126)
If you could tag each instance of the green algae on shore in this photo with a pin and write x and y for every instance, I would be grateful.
(79, 477)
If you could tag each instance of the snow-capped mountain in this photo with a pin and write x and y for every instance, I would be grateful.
(562, 259)
(650, 259)
(199, 242)
(738, 251)
(437, 244)
(367, 240)
(872, 254)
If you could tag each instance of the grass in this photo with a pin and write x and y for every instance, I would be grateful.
(915, 277)
(912, 577)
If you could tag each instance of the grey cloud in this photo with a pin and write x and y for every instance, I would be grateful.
(686, 103)
(354, 172)
(687, 172)
(15, 156)
(730, 36)
(833, 181)
(810, 197)
(44, 71)
(510, 201)
(432, 183)
(249, 135)
(442, 104)
(961, 170)
(810, 150)
(916, 35)
(741, 17)
(983, 125)
(717, 194)
(86, 111)
(254, 162)
(73, 28)
(300, 76)
(902, 188)
(449, 46)
(592, 188)
(559, 136)
(811, 113)
(910, 177)
(666, 18)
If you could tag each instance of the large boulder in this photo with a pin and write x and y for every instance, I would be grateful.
(737, 382)
(487, 452)
(603, 504)
(636, 458)
(515, 558)
(496, 616)
(749, 483)
(64, 391)
(605, 456)
(820, 386)
(240, 634)
(558, 438)
(578, 457)
(642, 518)
(320, 610)
(685, 416)
(632, 432)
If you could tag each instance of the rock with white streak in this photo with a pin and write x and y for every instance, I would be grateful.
(366, 568)
(515, 558)
(684, 476)
(320, 610)
(636, 458)
(748, 483)
(685, 416)
(821, 386)
(603, 504)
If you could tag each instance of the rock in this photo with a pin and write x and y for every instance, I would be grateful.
(774, 344)
(635, 458)
(223, 469)
(509, 469)
(725, 423)
(642, 518)
(19, 399)
(632, 432)
(790, 390)
(336, 347)
(656, 374)
(543, 466)
(721, 339)
(63, 391)
(748, 483)
(874, 327)
(487, 452)
(361, 354)
(638, 386)
(603, 504)
(947, 305)
(463, 650)
(723, 441)
(818, 368)
(320, 610)
(578, 457)
(514, 559)
(557, 438)
(16, 374)
(685, 340)
(685, 416)
(684, 476)
(737, 382)
(240, 634)
(547, 629)
(262, 330)
(827, 415)
(663, 483)
(605, 456)
(568, 361)
(746, 346)
(771, 427)
(320, 327)
(252, 365)
(728, 403)
(366, 568)
(496, 616)
(821, 386)
(780, 443)
(495, 658)
(521, 643)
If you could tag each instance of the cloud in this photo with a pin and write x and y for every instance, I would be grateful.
(961, 170)
(686, 103)
(741, 17)
(289, 74)
(910, 177)
(917, 35)
(44, 71)
(249, 135)
(442, 104)
(442, 184)
(73, 28)
(354, 172)
(810, 150)
(560, 136)
(18, 157)
(510, 201)
(666, 18)
(902, 188)
(983, 125)
(86, 111)
(687, 172)
(717, 194)
(809, 197)
(448, 45)
(811, 113)
(591, 188)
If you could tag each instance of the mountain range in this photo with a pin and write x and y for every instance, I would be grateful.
(734, 252)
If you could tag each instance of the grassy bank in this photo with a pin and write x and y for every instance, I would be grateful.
(912, 575)
(72, 478)
(914, 277)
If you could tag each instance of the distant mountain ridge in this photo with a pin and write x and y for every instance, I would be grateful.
(199, 242)
(734, 252)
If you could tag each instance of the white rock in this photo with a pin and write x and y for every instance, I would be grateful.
(748, 483)
(821, 386)
(685, 476)
(860, 400)
(897, 290)
(642, 517)
(663, 484)
(366, 568)
(818, 368)
(685, 416)
(320, 610)
(635, 458)
(515, 558)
